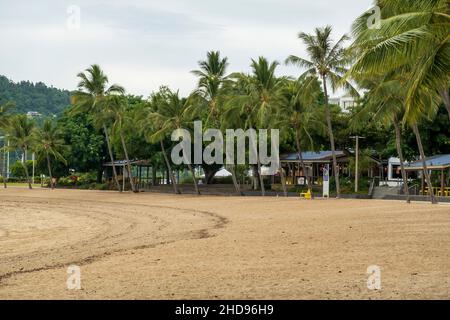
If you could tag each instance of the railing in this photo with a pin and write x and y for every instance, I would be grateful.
(416, 189)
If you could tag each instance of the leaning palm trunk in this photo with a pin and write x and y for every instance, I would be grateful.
(302, 163)
(169, 168)
(446, 99)
(330, 133)
(112, 158)
(193, 178)
(49, 170)
(231, 168)
(24, 164)
(398, 144)
(124, 146)
(424, 163)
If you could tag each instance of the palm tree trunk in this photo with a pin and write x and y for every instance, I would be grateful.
(283, 181)
(425, 169)
(124, 146)
(302, 163)
(174, 182)
(398, 143)
(24, 164)
(258, 163)
(4, 169)
(233, 177)
(330, 133)
(193, 178)
(108, 143)
(49, 170)
(255, 179)
(261, 178)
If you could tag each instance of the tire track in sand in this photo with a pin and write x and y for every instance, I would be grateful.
(129, 227)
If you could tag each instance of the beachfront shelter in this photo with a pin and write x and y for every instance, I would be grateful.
(141, 170)
(314, 162)
(439, 164)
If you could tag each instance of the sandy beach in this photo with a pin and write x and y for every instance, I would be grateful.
(162, 246)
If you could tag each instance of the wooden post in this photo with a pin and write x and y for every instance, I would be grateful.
(423, 183)
(140, 175)
(407, 178)
(442, 183)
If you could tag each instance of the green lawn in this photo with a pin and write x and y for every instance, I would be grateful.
(22, 184)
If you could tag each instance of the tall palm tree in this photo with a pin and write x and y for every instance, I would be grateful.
(385, 105)
(210, 94)
(20, 134)
(413, 33)
(256, 97)
(48, 142)
(212, 75)
(4, 122)
(91, 97)
(328, 61)
(172, 113)
(300, 114)
(116, 107)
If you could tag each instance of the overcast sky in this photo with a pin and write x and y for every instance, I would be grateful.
(144, 44)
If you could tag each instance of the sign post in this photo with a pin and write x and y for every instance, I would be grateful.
(326, 181)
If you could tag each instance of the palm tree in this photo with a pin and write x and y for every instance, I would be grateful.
(172, 113)
(385, 105)
(413, 33)
(299, 112)
(20, 134)
(327, 60)
(91, 97)
(152, 130)
(211, 79)
(117, 108)
(48, 142)
(210, 95)
(4, 122)
(256, 97)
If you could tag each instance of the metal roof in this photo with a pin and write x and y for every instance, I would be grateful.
(124, 162)
(435, 162)
(311, 156)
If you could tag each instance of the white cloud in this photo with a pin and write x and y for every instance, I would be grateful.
(144, 44)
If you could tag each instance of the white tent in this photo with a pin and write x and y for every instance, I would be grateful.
(223, 173)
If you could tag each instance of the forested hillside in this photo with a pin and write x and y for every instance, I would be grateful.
(30, 96)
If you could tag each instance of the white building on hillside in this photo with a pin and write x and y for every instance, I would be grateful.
(345, 102)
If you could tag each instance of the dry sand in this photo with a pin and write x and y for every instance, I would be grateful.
(151, 246)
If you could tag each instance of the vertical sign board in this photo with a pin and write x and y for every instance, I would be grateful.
(326, 181)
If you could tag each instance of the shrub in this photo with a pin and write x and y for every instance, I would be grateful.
(86, 178)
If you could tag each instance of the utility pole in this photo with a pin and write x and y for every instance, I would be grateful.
(357, 160)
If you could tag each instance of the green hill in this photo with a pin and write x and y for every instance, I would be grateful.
(36, 97)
